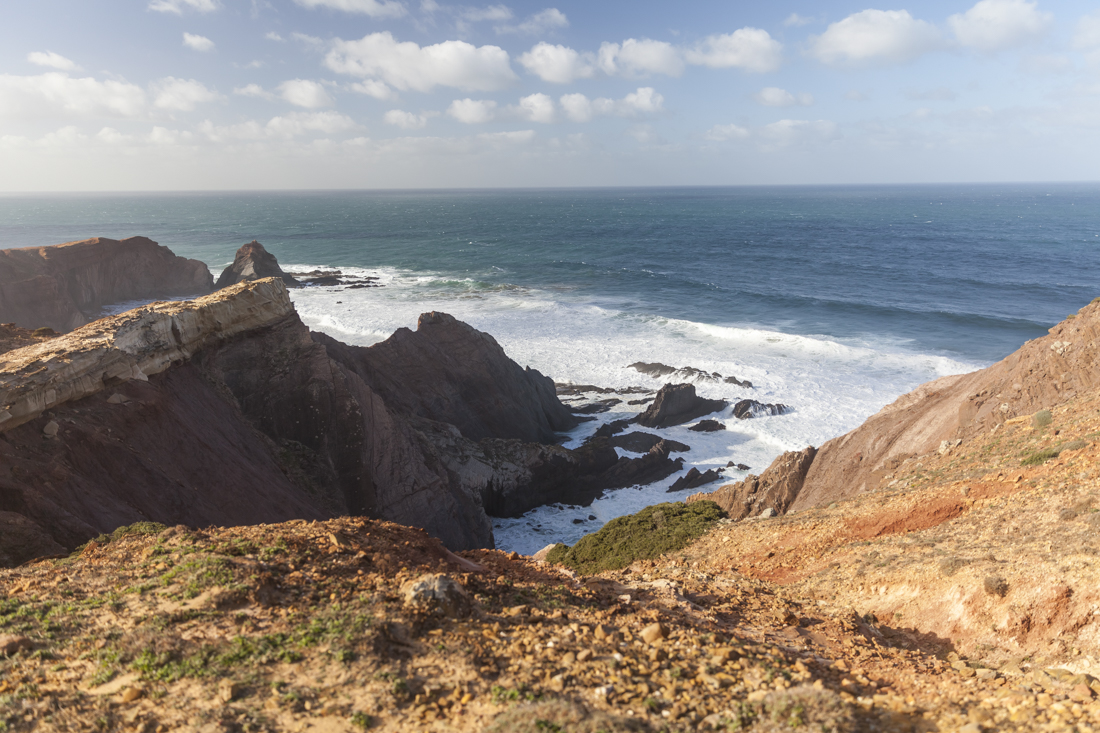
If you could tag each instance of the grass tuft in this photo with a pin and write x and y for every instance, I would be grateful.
(652, 532)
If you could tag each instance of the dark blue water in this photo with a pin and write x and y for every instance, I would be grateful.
(966, 271)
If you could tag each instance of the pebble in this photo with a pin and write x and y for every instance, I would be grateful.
(132, 693)
(51, 429)
(654, 633)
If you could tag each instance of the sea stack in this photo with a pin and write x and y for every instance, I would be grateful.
(253, 262)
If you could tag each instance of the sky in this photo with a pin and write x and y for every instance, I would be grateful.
(153, 95)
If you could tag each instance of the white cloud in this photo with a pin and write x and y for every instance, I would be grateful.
(284, 127)
(273, 36)
(491, 12)
(373, 88)
(722, 133)
(751, 49)
(541, 22)
(181, 95)
(304, 93)
(558, 64)
(55, 93)
(372, 8)
(52, 60)
(311, 42)
(253, 90)
(472, 111)
(939, 94)
(1086, 35)
(536, 108)
(111, 136)
(197, 43)
(874, 37)
(405, 120)
(992, 25)
(776, 97)
(178, 6)
(164, 136)
(409, 66)
(796, 132)
(640, 58)
(797, 21)
(645, 100)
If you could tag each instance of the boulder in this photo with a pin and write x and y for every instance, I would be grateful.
(639, 442)
(65, 286)
(746, 409)
(677, 404)
(253, 262)
(693, 479)
(707, 426)
(775, 489)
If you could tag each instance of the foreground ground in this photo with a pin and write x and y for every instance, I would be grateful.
(317, 627)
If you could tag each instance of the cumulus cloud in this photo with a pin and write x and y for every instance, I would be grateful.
(253, 90)
(541, 22)
(304, 93)
(178, 6)
(372, 8)
(643, 57)
(558, 64)
(373, 88)
(872, 37)
(472, 111)
(776, 97)
(723, 133)
(197, 43)
(405, 120)
(283, 126)
(795, 20)
(406, 65)
(535, 108)
(785, 133)
(52, 60)
(645, 100)
(491, 12)
(751, 49)
(181, 95)
(56, 93)
(993, 25)
(273, 36)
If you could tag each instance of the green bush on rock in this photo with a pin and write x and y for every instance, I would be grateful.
(652, 532)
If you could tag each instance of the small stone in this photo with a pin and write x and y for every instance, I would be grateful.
(603, 631)
(132, 693)
(117, 399)
(568, 659)
(51, 429)
(767, 513)
(438, 594)
(228, 691)
(10, 644)
(585, 654)
(1081, 693)
(654, 633)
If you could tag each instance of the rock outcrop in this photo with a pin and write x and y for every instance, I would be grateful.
(65, 286)
(745, 409)
(253, 262)
(450, 372)
(677, 404)
(774, 490)
(693, 479)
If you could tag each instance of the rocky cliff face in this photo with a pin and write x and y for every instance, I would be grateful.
(945, 414)
(64, 286)
(253, 262)
(462, 377)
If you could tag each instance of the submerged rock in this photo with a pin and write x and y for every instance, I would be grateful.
(707, 426)
(746, 409)
(640, 442)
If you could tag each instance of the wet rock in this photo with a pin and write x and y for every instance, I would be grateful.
(612, 428)
(738, 466)
(693, 479)
(253, 262)
(655, 465)
(739, 382)
(643, 401)
(641, 442)
(437, 594)
(594, 408)
(677, 404)
(707, 426)
(746, 409)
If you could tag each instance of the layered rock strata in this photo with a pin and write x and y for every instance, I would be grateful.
(64, 286)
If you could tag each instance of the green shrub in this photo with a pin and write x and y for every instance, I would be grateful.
(652, 532)
(995, 585)
(1041, 419)
(1073, 445)
(1039, 457)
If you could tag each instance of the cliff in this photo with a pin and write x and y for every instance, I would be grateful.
(64, 286)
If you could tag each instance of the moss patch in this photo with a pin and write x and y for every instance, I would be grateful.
(652, 532)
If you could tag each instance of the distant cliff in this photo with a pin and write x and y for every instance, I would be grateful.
(938, 416)
(64, 286)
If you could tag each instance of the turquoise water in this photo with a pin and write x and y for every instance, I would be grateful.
(834, 300)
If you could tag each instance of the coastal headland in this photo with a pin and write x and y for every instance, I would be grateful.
(215, 519)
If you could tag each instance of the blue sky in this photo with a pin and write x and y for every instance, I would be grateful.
(294, 94)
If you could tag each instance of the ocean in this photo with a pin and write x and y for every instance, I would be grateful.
(832, 300)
